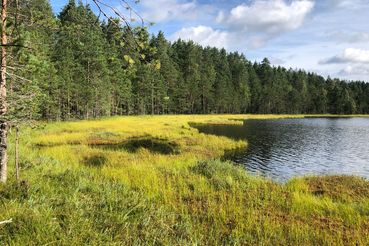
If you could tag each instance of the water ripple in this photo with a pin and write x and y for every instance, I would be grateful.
(293, 147)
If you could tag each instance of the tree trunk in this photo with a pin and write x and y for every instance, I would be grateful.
(86, 111)
(3, 151)
(16, 154)
(3, 106)
(203, 99)
(152, 101)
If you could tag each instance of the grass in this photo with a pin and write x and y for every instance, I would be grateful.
(157, 181)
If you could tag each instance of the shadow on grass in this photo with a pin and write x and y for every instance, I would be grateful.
(95, 161)
(152, 144)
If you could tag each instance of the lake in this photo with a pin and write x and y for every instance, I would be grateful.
(283, 148)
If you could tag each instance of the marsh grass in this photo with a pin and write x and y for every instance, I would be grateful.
(157, 181)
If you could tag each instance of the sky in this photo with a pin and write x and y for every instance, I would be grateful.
(327, 37)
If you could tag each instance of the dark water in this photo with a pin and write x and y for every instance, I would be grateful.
(283, 148)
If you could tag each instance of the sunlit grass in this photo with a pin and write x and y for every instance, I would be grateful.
(155, 180)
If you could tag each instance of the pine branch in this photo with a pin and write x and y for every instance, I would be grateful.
(16, 45)
(16, 76)
(121, 16)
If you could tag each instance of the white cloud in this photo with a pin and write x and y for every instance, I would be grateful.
(280, 60)
(276, 60)
(202, 35)
(345, 37)
(335, 3)
(220, 17)
(257, 42)
(355, 70)
(167, 10)
(354, 4)
(349, 55)
(271, 16)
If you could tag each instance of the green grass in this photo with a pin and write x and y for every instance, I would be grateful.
(157, 181)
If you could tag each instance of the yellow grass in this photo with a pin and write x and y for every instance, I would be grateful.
(152, 180)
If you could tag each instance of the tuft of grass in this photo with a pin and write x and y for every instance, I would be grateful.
(339, 188)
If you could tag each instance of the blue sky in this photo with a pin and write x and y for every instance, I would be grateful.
(329, 37)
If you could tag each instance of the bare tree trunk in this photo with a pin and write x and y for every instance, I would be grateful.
(128, 108)
(48, 113)
(88, 84)
(60, 107)
(16, 154)
(3, 151)
(203, 100)
(152, 101)
(3, 106)
(86, 111)
(96, 104)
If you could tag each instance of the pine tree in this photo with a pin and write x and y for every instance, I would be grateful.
(255, 90)
(25, 25)
(223, 82)
(167, 68)
(82, 64)
(119, 77)
(206, 84)
(240, 83)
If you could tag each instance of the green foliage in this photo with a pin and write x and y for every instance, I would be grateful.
(28, 61)
(77, 67)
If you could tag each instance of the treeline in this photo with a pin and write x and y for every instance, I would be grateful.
(81, 68)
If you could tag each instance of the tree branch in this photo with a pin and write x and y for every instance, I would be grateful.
(6, 221)
(16, 45)
(16, 76)
(121, 16)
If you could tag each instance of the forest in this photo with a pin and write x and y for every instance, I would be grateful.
(75, 66)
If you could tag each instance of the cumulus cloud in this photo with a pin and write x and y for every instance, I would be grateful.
(355, 70)
(203, 35)
(257, 42)
(167, 10)
(345, 37)
(349, 55)
(271, 16)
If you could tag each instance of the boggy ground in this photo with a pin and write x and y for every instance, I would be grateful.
(157, 181)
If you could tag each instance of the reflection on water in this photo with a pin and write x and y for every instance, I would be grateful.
(282, 148)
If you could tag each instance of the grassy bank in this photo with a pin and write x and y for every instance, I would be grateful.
(157, 181)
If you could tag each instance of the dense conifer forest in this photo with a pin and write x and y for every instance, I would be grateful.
(75, 66)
